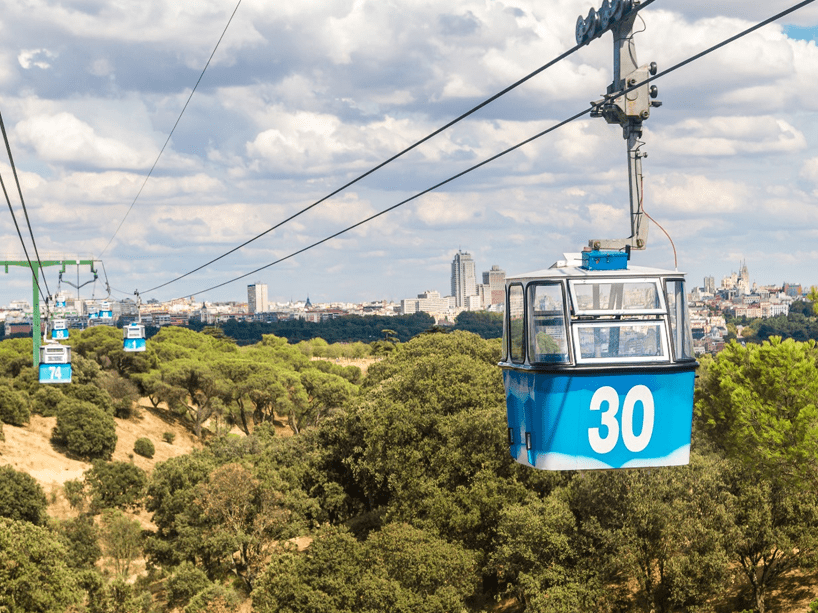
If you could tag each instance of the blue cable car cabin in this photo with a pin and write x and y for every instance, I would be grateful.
(55, 363)
(134, 337)
(598, 367)
(59, 329)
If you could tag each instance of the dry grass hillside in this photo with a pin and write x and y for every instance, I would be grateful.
(29, 449)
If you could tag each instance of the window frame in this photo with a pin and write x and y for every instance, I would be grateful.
(530, 290)
(511, 356)
(657, 283)
(577, 326)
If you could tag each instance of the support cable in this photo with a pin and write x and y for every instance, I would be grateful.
(22, 242)
(510, 149)
(178, 119)
(457, 119)
(407, 200)
(25, 212)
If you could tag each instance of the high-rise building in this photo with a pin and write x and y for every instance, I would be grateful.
(464, 280)
(710, 285)
(257, 298)
(495, 279)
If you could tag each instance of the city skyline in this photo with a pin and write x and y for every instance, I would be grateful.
(298, 101)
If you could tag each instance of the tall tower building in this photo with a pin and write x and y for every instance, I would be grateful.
(495, 280)
(257, 298)
(464, 279)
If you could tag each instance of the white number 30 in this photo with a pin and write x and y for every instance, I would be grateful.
(606, 394)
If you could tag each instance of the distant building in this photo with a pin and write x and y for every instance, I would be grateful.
(257, 298)
(464, 279)
(792, 289)
(710, 285)
(495, 282)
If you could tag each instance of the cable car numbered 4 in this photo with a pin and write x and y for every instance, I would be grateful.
(598, 367)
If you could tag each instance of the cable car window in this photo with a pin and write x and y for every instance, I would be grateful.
(505, 337)
(679, 320)
(548, 341)
(516, 310)
(620, 341)
(614, 297)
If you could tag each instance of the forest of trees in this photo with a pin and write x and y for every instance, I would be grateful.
(395, 491)
(355, 328)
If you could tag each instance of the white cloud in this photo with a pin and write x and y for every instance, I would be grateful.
(38, 58)
(302, 96)
(62, 137)
(729, 136)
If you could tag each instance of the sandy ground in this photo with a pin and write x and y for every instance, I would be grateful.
(28, 449)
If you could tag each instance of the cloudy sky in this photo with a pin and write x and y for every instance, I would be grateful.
(303, 96)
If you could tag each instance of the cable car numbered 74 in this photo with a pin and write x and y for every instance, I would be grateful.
(55, 363)
(598, 368)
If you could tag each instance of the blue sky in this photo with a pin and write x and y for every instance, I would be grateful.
(301, 97)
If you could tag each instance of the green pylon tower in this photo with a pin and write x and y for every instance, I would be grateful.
(35, 301)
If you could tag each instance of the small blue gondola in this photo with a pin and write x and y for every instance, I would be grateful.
(59, 329)
(55, 363)
(598, 367)
(134, 337)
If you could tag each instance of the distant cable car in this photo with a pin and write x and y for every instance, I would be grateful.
(134, 340)
(59, 330)
(105, 310)
(55, 363)
(598, 367)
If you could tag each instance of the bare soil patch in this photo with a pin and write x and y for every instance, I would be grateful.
(29, 449)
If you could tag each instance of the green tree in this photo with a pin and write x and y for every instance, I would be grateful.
(121, 539)
(241, 517)
(34, 573)
(81, 538)
(758, 404)
(186, 581)
(776, 531)
(190, 387)
(170, 498)
(118, 485)
(667, 531)
(21, 497)
(47, 401)
(86, 430)
(13, 406)
(397, 569)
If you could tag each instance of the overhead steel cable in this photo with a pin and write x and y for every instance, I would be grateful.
(457, 119)
(518, 145)
(16, 225)
(25, 212)
(167, 140)
(407, 200)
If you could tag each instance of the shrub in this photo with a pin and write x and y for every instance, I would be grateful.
(144, 447)
(13, 406)
(168, 437)
(185, 582)
(115, 485)
(89, 392)
(86, 430)
(214, 598)
(21, 497)
(74, 491)
(47, 401)
(81, 538)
